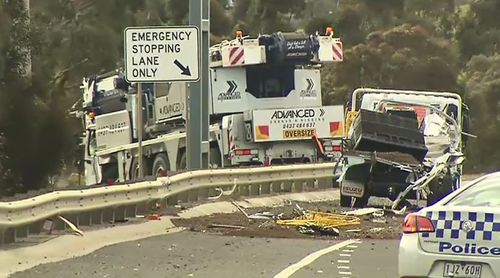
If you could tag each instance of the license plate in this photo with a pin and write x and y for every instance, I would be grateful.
(462, 270)
(353, 189)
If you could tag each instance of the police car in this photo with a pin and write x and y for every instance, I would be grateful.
(459, 236)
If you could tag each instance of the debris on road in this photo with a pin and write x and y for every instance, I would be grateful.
(71, 226)
(240, 208)
(320, 222)
(262, 215)
(154, 216)
(376, 230)
(225, 226)
(363, 211)
(268, 222)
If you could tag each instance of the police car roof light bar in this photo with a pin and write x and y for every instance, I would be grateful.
(414, 223)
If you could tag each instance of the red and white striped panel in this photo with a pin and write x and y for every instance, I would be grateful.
(338, 53)
(236, 56)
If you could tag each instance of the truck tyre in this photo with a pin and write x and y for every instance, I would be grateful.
(182, 161)
(134, 168)
(109, 173)
(439, 188)
(160, 165)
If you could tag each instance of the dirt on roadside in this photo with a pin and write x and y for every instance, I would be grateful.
(387, 226)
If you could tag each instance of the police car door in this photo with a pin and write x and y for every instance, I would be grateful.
(468, 224)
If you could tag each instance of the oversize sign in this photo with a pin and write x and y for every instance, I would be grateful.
(162, 54)
(298, 123)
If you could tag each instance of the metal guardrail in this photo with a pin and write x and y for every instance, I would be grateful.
(85, 207)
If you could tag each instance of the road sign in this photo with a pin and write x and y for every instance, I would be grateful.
(162, 54)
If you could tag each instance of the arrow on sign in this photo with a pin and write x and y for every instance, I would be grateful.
(322, 112)
(310, 84)
(185, 70)
(232, 87)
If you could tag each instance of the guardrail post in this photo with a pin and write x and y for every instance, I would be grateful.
(324, 183)
(275, 187)
(119, 214)
(212, 192)
(108, 215)
(305, 185)
(172, 200)
(84, 219)
(21, 232)
(7, 236)
(96, 217)
(297, 187)
(254, 189)
(35, 228)
(203, 193)
(145, 207)
(182, 197)
(192, 195)
(244, 190)
(265, 188)
(130, 211)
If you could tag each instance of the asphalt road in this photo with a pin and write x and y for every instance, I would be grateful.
(188, 254)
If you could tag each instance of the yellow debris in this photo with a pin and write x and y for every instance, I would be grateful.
(321, 219)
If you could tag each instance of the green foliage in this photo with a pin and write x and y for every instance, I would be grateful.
(413, 44)
(405, 56)
(481, 79)
(478, 29)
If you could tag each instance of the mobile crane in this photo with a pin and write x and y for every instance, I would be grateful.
(265, 105)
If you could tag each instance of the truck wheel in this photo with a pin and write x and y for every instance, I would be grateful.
(182, 162)
(160, 165)
(109, 173)
(134, 168)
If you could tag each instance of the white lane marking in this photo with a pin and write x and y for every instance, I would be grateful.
(287, 272)
(343, 261)
(348, 250)
(344, 273)
(352, 246)
(343, 267)
(344, 255)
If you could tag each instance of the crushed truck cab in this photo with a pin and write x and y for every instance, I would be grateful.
(402, 144)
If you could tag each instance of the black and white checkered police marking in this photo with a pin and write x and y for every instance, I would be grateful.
(464, 225)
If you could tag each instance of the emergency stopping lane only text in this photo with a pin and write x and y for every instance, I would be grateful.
(161, 54)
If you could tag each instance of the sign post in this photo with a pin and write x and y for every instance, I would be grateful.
(159, 54)
(139, 128)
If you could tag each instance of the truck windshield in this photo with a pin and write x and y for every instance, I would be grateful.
(269, 82)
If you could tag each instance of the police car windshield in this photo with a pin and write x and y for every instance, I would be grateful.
(484, 193)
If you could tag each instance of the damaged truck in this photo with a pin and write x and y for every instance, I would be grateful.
(402, 145)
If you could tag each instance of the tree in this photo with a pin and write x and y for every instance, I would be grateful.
(405, 56)
(481, 80)
(478, 29)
